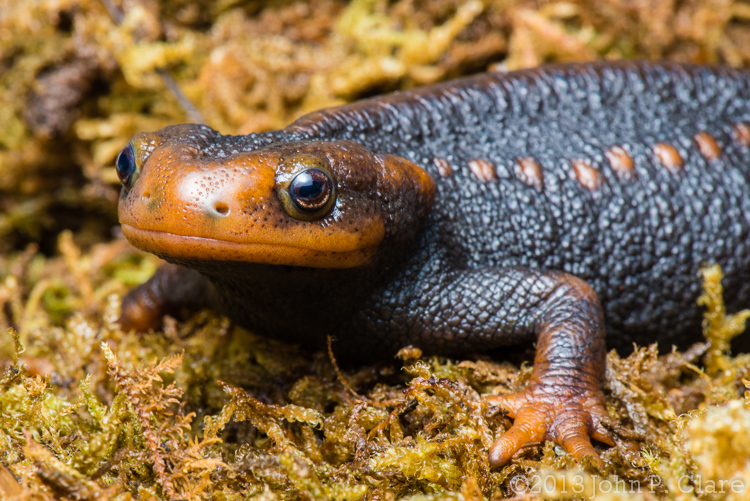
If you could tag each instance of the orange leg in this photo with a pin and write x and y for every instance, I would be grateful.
(171, 288)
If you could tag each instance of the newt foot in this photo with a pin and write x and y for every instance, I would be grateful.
(569, 416)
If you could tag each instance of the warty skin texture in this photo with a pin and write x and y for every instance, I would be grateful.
(574, 196)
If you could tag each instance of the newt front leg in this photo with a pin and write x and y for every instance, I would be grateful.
(170, 289)
(563, 401)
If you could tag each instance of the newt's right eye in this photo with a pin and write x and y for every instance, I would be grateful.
(127, 168)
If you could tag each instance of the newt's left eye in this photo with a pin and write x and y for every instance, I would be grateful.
(305, 186)
(126, 165)
(311, 189)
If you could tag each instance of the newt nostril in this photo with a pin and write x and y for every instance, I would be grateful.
(222, 208)
(146, 196)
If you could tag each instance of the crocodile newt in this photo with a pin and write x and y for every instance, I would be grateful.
(551, 205)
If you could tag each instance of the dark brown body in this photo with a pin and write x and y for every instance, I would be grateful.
(564, 197)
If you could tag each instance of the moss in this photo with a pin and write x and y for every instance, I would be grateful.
(719, 328)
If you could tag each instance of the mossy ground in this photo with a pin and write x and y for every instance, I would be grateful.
(206, 410)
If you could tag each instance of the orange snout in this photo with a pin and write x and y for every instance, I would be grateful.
(226, 209)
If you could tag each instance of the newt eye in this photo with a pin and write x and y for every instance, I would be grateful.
(311, 189)
(305, 186)
(126, 166)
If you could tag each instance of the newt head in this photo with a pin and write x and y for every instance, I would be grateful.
(189, 195)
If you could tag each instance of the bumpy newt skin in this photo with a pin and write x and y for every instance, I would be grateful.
(538, 206)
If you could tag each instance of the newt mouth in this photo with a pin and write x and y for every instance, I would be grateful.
(170, 245)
